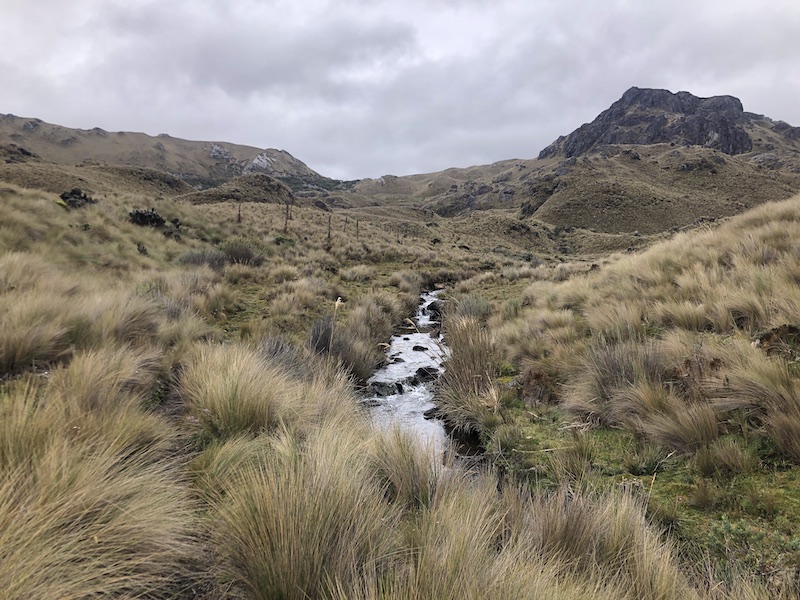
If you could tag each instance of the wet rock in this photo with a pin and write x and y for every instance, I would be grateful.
(434, 310)
(432, 413)
(419, 348)
(385, 388)
(424, 375)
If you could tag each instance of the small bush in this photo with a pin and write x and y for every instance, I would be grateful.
(146, 218)
(75, 199)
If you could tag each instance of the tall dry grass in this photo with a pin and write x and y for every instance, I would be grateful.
(466, 393)
(78, 524)
(306, 519)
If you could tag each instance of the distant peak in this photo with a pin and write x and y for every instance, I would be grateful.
(654, 116)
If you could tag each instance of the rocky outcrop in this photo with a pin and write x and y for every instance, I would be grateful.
(648, 116)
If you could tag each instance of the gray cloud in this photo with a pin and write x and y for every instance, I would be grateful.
(357, 88)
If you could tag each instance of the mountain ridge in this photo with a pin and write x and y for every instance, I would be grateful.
(655, 116)
(654, 160)
(201, 164)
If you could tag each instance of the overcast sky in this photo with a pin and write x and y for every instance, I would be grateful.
(363, 88)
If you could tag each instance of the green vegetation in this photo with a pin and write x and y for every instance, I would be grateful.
(184, 422)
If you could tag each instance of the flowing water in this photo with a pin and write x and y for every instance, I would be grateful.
(401, 392)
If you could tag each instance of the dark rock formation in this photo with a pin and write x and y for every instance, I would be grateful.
(434, 310)
(648, 116)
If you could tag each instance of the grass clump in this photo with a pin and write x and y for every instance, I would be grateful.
(88, 523)
(467, 394)
(303, 521)
(231, 391)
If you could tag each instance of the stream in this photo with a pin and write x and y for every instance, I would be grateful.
(401, 392)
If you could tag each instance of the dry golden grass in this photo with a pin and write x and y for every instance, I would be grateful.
(90, 523)
(305, 518)
(467, 395)
(131, 435)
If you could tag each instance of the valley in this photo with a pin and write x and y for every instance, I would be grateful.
(183, 394)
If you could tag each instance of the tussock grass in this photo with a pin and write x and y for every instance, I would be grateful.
(33, 335)
(616, 322)
(236, 390)
(77, 524)
(407, 472)
(358, 342)
(609, 371)
(685, 428)
(606, 537)
(357, 273)
(304, 519)
(574, 462)
(467, 394)
(220, 465)
(232, 391)
(726, 457)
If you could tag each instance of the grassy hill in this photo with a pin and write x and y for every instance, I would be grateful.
(201, 164)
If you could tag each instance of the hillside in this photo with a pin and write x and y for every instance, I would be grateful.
(201, 164)
(171, 417)
(652, 162)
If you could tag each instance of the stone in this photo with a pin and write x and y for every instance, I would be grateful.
(424, 375)
(385, 388)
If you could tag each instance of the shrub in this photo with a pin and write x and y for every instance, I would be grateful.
(146, 218)
(75, 198)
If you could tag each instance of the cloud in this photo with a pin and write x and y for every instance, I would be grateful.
(363, 88)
